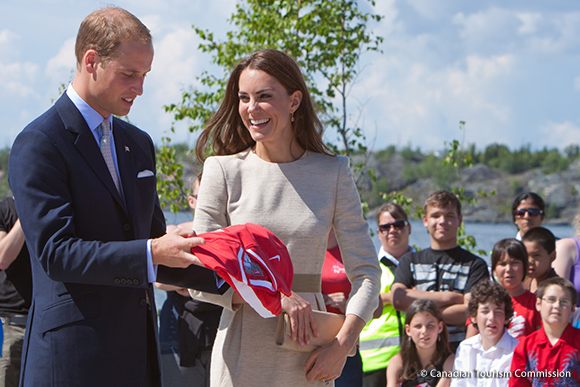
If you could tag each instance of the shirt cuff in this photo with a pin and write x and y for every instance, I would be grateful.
(151, 269)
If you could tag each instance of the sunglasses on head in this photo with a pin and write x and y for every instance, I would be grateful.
(520, 213)
(397, 225)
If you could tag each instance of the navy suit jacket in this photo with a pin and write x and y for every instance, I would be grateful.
(91, 297)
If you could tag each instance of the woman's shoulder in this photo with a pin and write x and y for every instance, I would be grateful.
(325, 162)
(228, 159)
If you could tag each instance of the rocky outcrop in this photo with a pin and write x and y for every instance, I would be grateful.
(560, 191)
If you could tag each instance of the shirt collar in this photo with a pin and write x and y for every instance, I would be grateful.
(91, 116)
(503, 343)
(383, 253)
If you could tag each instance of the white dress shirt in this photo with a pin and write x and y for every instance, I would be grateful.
(475, 366)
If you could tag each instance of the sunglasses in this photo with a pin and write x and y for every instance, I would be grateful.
(397, 225)
(520, 213)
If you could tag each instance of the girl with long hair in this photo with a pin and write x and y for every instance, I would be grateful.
(424, 349)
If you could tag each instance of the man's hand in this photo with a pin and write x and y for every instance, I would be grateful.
(174, 249)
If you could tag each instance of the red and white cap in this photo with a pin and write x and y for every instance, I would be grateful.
(253, 261)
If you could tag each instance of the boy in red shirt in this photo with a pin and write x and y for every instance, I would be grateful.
(550, 356)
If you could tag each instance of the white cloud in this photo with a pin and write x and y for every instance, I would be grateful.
(487, 30)
(559, 34)
(16, 79)
(61, 67)
(8, 45)
(529, 22)
(560, 134)
(429, 9)
(577, 83)
(6, 36)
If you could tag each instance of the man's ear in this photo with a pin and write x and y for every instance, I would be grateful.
(553, 256)
(90, 61)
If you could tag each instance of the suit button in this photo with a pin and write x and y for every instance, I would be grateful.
(135, 282)
(117, 281)
(143, 302)
(123, 281)
(127, 227)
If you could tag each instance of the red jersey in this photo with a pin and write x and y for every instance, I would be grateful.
(536, 362)
(334, 279)
(526, 318)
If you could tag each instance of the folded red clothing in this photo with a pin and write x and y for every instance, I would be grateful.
(253, 261)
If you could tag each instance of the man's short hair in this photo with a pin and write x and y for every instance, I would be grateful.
(513, 248)
(565, 284)
(395, 210)
(105, 29)
(488, 291)
(536, 200)
(443, 199)
(541, 236)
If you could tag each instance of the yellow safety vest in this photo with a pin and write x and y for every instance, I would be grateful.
(379, 339)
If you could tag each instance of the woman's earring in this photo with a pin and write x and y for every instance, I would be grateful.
(438, 337)
(292, 119)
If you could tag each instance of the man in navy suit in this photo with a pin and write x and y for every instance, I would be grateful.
(92, 220)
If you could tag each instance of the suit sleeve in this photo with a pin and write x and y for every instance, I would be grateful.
(40, 177)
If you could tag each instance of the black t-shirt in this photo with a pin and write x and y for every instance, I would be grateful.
(431, 270)
(16, 281)
(455, 270)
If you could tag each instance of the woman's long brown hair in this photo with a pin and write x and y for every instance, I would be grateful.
(226, 133)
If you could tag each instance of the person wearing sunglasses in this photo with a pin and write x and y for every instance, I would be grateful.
(379, 339)
(528, 211)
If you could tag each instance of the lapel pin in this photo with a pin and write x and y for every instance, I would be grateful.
(127, 149)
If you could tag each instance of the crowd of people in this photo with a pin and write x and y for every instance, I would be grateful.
(84, 240)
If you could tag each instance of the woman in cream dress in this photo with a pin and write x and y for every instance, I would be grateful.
(273, 169)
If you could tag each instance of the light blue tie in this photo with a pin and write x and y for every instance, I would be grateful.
(106, 151)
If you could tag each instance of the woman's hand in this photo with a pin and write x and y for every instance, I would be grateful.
(302, 319)
(336, 300)
(326, 363)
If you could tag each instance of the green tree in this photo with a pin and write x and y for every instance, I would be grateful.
(327, 39)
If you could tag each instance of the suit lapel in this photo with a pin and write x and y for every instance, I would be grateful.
(86, 144)
(127, 169)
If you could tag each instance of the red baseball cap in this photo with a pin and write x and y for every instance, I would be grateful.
(253, 261)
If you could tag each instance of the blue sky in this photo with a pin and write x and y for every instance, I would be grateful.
(510, 70)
